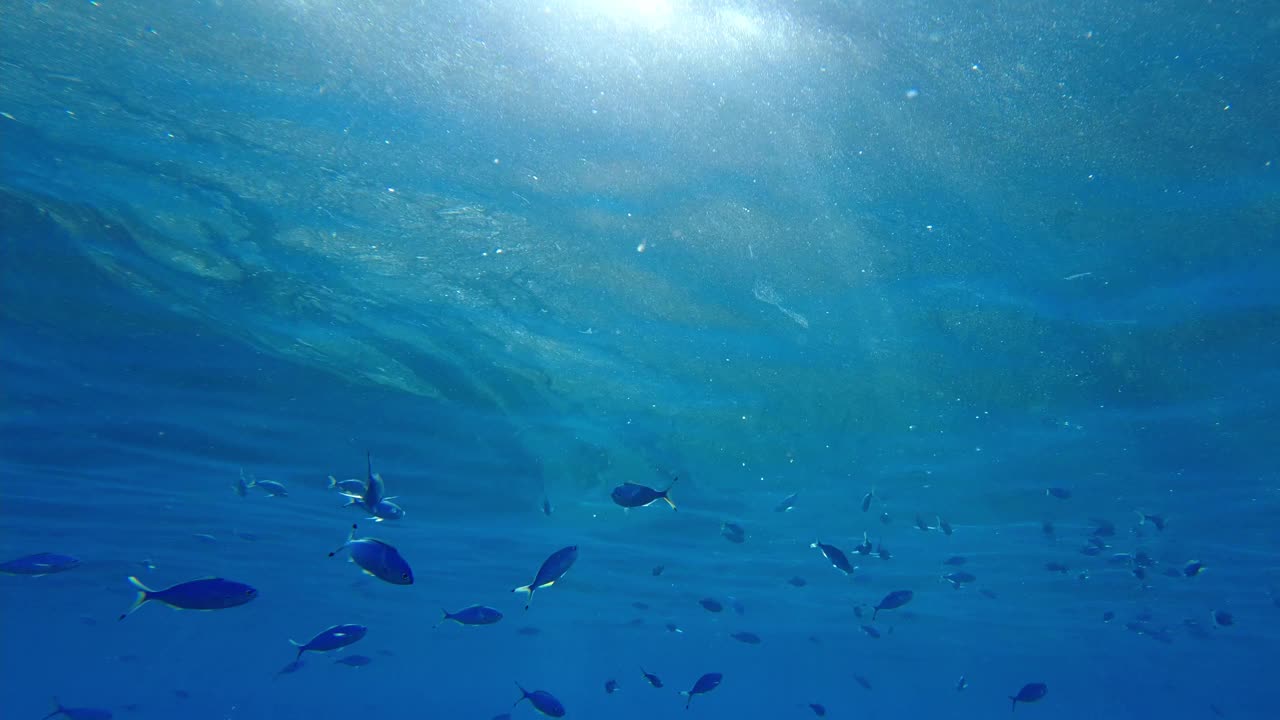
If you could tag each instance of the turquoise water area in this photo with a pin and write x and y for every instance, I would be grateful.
(991, 288)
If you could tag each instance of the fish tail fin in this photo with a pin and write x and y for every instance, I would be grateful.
(301, 648)
(523, 694)
(1014, 705)
(526, 589)
(351, 536)
(444, 615)
(57, 709)
(144, 594)
(874, 612)
(333, 482)
(667, 497)
(688, 695)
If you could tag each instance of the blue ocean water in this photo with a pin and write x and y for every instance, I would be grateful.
(948, 255)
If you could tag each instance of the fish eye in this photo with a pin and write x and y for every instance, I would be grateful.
(404, 575)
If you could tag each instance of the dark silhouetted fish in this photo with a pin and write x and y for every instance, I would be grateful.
(1108, 616)
(733, 532)
(866, 500)
(1222, 618)
(546, 506)
(797, 581)
(542, 701)
(640, 605)
(818, 709)
(473, 615)
(882, 552)
(39, 564)
(955, 560)
(271, 488)
(892, 601)
(632, 495)
(1156, 520)
(786, 504)
(865, 683)
(552, 569)
(711, 605)
(352, 487)
(652, 679)
(864, 548)
(610, 686)
(1058, 492)
(377, 558)
(1047, 529)
(291, 668)
(353, 660)
(944, 526)
(672, 627)
(871, 631)
(921, 525)
(884, 518)
(1102, 527)
(1193, 568)
(1054, 566)
(203, 594)
(77, 713)
(835, 556)
(338, 636)
(1031, 692)
(749, 638)
(959, 579)
(704, 685)
(657, 570)
(529, 631)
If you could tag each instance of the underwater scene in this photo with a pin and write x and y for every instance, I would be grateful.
(629, 359)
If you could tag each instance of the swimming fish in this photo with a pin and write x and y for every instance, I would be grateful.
(377, 558)
(1060, 493)
(884, 518)
(961, 684)
(552, 569)
(242, 485)
(542, 701)
(473, 615)
(203, 594)
(271, 488)
(921, 525)
(797, 581)
(704, 685)
(892, 601)
(374, 489)
(835, 556)
(77, 713)
(632, 495)
(653, 680)
(387, 510)
(871, 631)
(1047, 529)
(955, 560)
(1157, 520)
(1054, 566)
(610, 686)
(1031, 692)
(733, 532)
(353, 660)
(333, 638)
(39, 564)
(818, 709)
(958, 579)
(291, 668)
(866, 500)
(546, 506)
(657, 570)
(1108, 616)
(944, 526)
(882, 552)
(865, 683)
(1222, 618)
(787, 503)
(1193, 568)
(711, 605)
(748, 638)
(865, 547)
(350, 487)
